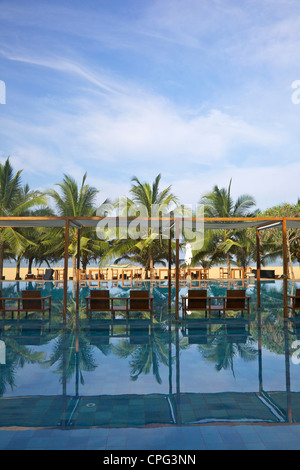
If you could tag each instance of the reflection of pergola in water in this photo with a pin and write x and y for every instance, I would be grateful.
(73, 410)
(173, 224)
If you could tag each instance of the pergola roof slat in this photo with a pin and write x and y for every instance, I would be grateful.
(234, 223)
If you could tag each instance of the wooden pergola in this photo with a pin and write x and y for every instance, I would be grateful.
(174, 224)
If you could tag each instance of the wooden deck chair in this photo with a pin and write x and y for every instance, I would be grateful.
(237, 300)
(196, 300)
(295, 301)
(32, 301)
(140, 301)
(98, 301)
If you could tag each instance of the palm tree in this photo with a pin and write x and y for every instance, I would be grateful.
(15, 201)
(219, 203)
(283, 210)
(74, 202)
(151, 247)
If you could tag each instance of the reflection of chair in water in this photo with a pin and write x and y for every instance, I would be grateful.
(99, 332)
(233, 330)
(196, 330)
(139, 331)
(237, 330)
(32, 332)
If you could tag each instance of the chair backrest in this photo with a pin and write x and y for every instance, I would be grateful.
(196, 303)
(297, 299)
(239, 300)
(139, 300)
(31, 299)
(48, 274)
(100, 300)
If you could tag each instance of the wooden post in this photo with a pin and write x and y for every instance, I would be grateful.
(258, 267)
(66, 258)
(170, 273)
(285, 268)
(78, 268)
(177, 271)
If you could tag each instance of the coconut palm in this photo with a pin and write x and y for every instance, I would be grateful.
(219, 203)
(15, 201)
(283, 210)
(73, 201)
(151, 247)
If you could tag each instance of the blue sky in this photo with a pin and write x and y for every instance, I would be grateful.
(198, 90)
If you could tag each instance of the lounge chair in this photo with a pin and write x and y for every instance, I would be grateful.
(295, 301)
(197, 300)
(237, 300)
(48, 275)
(98, 301)
(31, 301)
(29, 276)
(2, 304)
(140, 301)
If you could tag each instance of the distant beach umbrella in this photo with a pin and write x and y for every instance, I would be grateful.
(188, 254)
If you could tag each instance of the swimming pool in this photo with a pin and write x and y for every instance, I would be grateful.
(151, 383)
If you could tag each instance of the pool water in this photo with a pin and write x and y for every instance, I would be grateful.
(150, 383)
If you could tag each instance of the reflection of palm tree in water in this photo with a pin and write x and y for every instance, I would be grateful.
(222, 351)
(146, 357)
(17, 356)
(72, 352)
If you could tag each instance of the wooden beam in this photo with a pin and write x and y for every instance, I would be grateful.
(177, 271)
(170, 273)
(66, 258)
(78, 268)
(258, 267)
(285, 268)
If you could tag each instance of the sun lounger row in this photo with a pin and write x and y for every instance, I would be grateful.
(31, 301)
(197, 300)
(100, 301)
(97, 301)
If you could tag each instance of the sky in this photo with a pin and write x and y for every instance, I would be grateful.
(197, 90)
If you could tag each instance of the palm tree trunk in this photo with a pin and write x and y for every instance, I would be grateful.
(74, 267)
(1, 258)
(18, 268)
(30, 261)
(151, 265)
(290, 258)
(228, 263)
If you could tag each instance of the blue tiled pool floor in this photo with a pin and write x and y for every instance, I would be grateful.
(221, 437)
(151, 383)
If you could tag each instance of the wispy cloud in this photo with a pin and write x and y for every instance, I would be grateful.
(196, 90)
